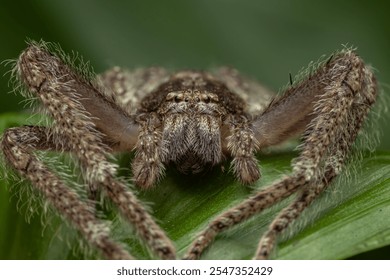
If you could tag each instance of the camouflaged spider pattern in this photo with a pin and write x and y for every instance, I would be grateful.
(193, 120)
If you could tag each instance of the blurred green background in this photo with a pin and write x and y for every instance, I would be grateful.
(266, 40)
(263, 39)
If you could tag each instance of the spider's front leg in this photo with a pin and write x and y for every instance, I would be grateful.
(339, 115)
(84, 119)
(330, 106)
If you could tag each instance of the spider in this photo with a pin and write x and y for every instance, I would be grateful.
(192, 120)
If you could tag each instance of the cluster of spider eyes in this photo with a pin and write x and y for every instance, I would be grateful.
(186, 97)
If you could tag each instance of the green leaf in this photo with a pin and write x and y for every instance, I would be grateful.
(351, 217)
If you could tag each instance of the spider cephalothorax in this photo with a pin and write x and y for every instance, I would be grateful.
(192, 113)
(193, 120)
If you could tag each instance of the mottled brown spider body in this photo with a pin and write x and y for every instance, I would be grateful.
(193, 120)
(194, 112)
(192, 117)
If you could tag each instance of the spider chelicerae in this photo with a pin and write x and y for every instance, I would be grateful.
(193, 120)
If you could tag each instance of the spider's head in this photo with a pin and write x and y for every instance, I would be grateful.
(193, 108)
(191, 116)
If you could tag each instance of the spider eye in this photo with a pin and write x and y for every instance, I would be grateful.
(205, 98)
(177, 99)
